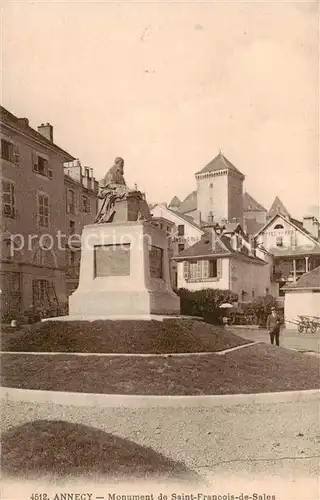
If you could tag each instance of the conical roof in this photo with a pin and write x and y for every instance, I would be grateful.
(220, 162)
(175, 202)
(249, 203)
(277, 207)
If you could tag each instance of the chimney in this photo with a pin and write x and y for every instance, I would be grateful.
(234, 242)
(46, 130)
(24, 122)
(311, 225)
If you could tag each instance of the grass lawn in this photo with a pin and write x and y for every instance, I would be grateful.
(172, 335)
(56, 449)
(254, 369)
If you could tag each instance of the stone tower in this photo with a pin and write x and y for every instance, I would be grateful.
(220, 191)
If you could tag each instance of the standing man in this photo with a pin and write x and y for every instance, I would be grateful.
(273, 326)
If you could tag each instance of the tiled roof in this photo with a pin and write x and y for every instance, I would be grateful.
(230, 227)
(250, 203)
(308, 280)
(189, 204)
(213, 245)
(23, 125)
(294, 222)
(175, 202)
(208, 245)
(252, 226)
(220, 162)
(277, 207)
(186, 218)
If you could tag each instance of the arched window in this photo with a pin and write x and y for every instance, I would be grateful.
(279, 226)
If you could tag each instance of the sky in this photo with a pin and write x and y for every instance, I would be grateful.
(167, 85)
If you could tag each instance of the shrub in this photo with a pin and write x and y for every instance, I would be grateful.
(205, 303)
(261, 308)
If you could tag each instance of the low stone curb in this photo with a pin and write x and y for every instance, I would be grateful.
(137, 401)
(146, 355)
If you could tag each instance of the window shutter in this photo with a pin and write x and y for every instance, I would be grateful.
(67, 202)
(34, 160)
(185, 269)
(198, 271)
(46, 168)
(13, 200)
(205, 269)
(76, 203)
(219, 268)
(16, 153)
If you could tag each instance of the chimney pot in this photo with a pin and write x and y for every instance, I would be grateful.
(46, 131)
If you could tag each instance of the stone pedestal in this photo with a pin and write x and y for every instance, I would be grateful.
(124, 271)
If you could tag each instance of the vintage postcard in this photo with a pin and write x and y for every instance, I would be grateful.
(160, 250)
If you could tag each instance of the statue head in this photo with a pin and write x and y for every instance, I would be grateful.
(119, 163)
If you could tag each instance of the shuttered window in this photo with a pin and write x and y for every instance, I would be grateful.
(202, 269)
(8, 199)
(43, 210)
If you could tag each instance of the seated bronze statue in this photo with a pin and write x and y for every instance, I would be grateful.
(113, 188)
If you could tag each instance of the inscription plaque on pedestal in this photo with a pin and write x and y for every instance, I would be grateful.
(112, 260)
(156, 262)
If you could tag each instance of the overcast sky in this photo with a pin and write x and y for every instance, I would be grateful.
(167, 85)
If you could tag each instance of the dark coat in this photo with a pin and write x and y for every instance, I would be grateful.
(273, 323)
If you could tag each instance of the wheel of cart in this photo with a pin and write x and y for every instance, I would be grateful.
(313, 327)
(314, 323)
(304, 324)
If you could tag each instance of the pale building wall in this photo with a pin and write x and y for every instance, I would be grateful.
(212, 195)
(192, 234)
(304, 303)
(249, 277)
(290, 236)
(222, 283)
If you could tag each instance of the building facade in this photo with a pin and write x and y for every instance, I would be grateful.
(302, 298)
(294, 249)
(220, 191)
(34, 217)
(183, 233)
(81, 205)
(222, 261)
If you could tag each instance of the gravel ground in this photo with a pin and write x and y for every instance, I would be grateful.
(268, 444)
(291, 339)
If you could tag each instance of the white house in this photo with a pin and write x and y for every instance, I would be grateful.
(221, 261)
(303, 297)
(294, 246)
(184, 232)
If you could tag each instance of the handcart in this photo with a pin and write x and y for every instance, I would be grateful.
(308, 323)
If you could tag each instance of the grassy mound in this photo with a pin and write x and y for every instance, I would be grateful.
(59, 449)
(127, 336)
(254, 369)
